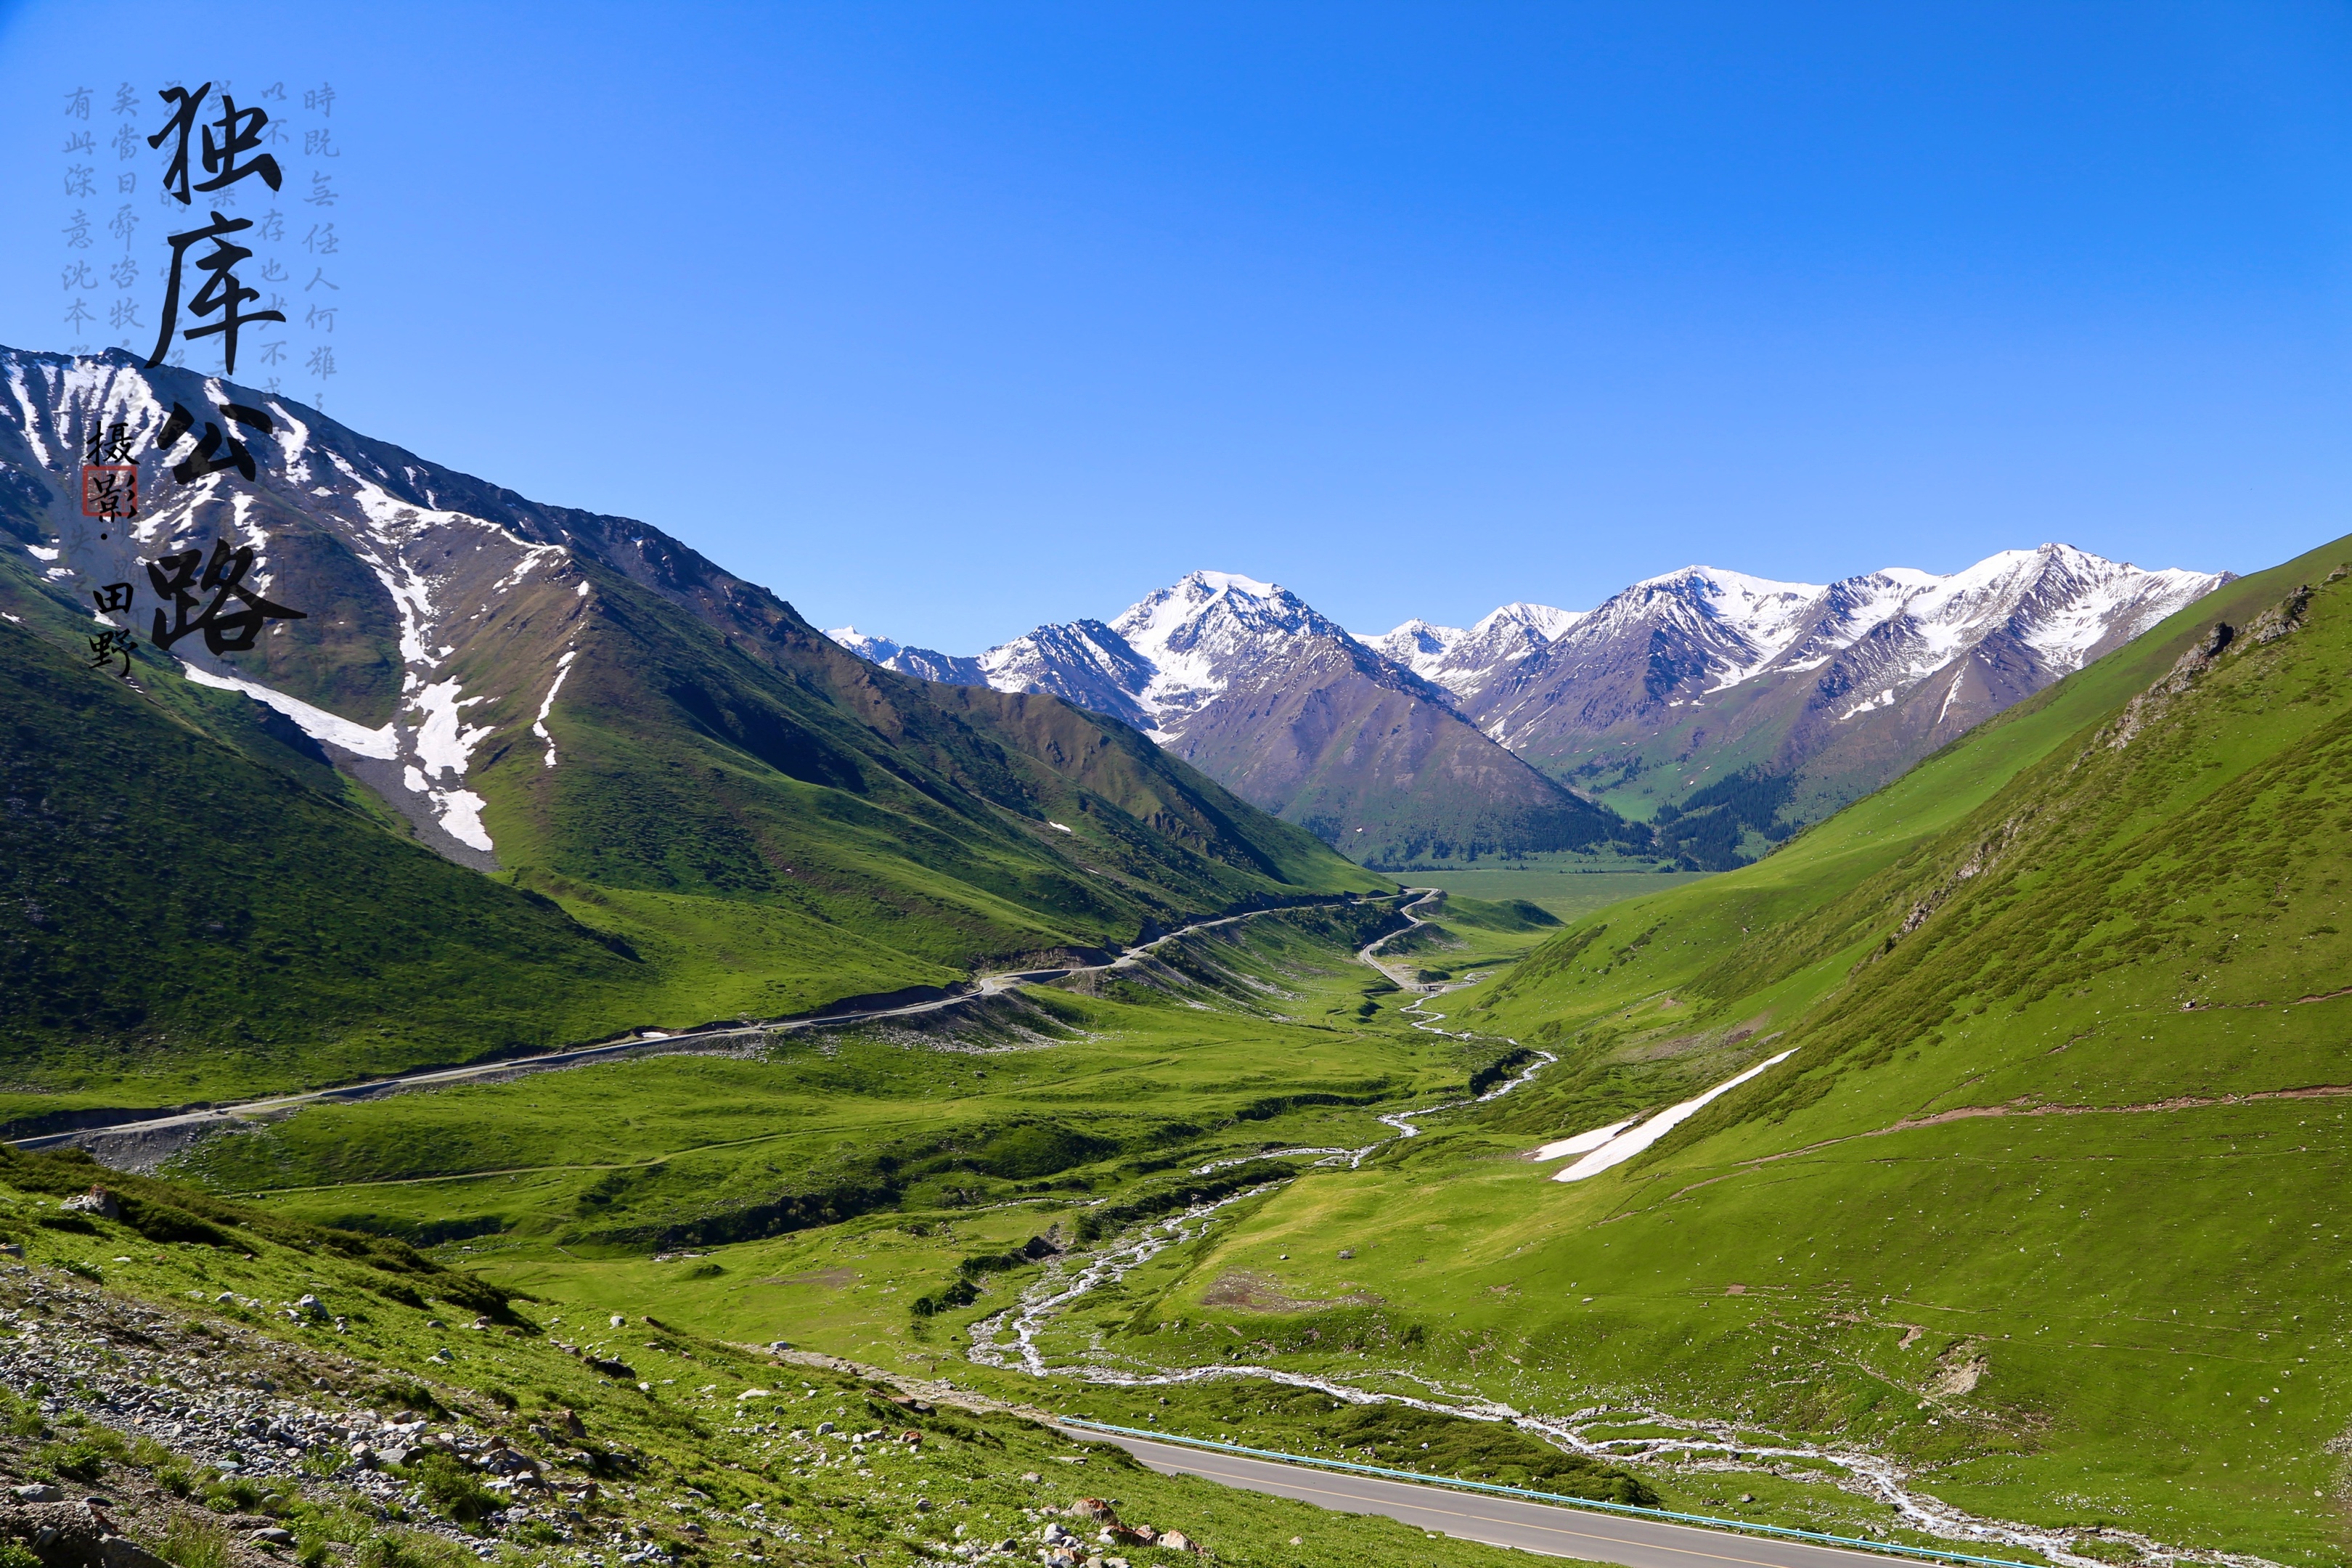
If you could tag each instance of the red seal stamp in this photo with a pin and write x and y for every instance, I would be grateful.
(109, 489)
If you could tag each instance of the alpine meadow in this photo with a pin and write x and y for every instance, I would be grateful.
(816, 787)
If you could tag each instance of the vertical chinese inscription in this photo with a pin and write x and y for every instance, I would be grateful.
(123, 225)
(321, 259)
(78, 275)
(231, 153)
(264, 181)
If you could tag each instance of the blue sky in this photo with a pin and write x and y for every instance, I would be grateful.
(947, 320)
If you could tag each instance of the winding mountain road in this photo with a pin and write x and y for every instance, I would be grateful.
(1554, 1531)
(647, 1044)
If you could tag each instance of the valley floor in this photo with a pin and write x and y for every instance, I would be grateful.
(1237, 1238)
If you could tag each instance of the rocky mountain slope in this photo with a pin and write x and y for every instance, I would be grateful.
(1249, 683)
(1724, 710)
(1463, 660)
(1818, 694)
(665, 767)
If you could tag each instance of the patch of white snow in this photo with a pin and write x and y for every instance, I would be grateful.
(316, 722)
(1583, 1143)
(1625, 1145)
(445, 744)
(539, 725)
(461, 814)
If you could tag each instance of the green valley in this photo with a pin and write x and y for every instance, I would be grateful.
(1957, 1174)
(2026, 1232)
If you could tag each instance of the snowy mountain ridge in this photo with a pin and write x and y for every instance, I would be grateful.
(1854, 678)
(1166, 655)
(1158, 663)
(1459, 659)
(446, 574)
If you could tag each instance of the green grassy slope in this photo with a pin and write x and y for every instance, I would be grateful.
(162, 892)
(2042, 1206)
(692, 1447)
(916, 815)
(728, 835)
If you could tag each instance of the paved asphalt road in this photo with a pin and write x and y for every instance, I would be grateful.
(649, 1044)
(1497, 1520)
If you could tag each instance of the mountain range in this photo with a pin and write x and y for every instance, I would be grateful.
(648, 786)
(1708, 713)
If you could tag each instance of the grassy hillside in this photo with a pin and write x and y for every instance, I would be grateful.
(650, 1436)
(161, 891)
(2040, 1205)
(196, 904)
(820, 789)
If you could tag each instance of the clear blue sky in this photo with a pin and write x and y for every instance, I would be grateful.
(946, 320)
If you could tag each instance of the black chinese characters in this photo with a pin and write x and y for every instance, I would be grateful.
(201, 461)
(226, 630)
(225, 160)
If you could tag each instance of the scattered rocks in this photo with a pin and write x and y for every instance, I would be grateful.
(97, 1201)
(196, 1389)
(1111, 1531)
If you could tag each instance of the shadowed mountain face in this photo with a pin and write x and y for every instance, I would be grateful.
(1727, 710)
(669, 753)
(1252, 685)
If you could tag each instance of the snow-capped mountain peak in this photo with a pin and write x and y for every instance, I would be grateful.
(1461, 659)
(1420, 646)
(874, 649)
(1763, 615)
(1202, 630)
(1542, 619)
(1204, 607)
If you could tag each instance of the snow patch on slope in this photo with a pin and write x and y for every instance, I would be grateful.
(444, 743)
(539, 725)
(1625, 1145)
(29, 419)
(444, 747)
(1583, 1143)
(316, 722)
